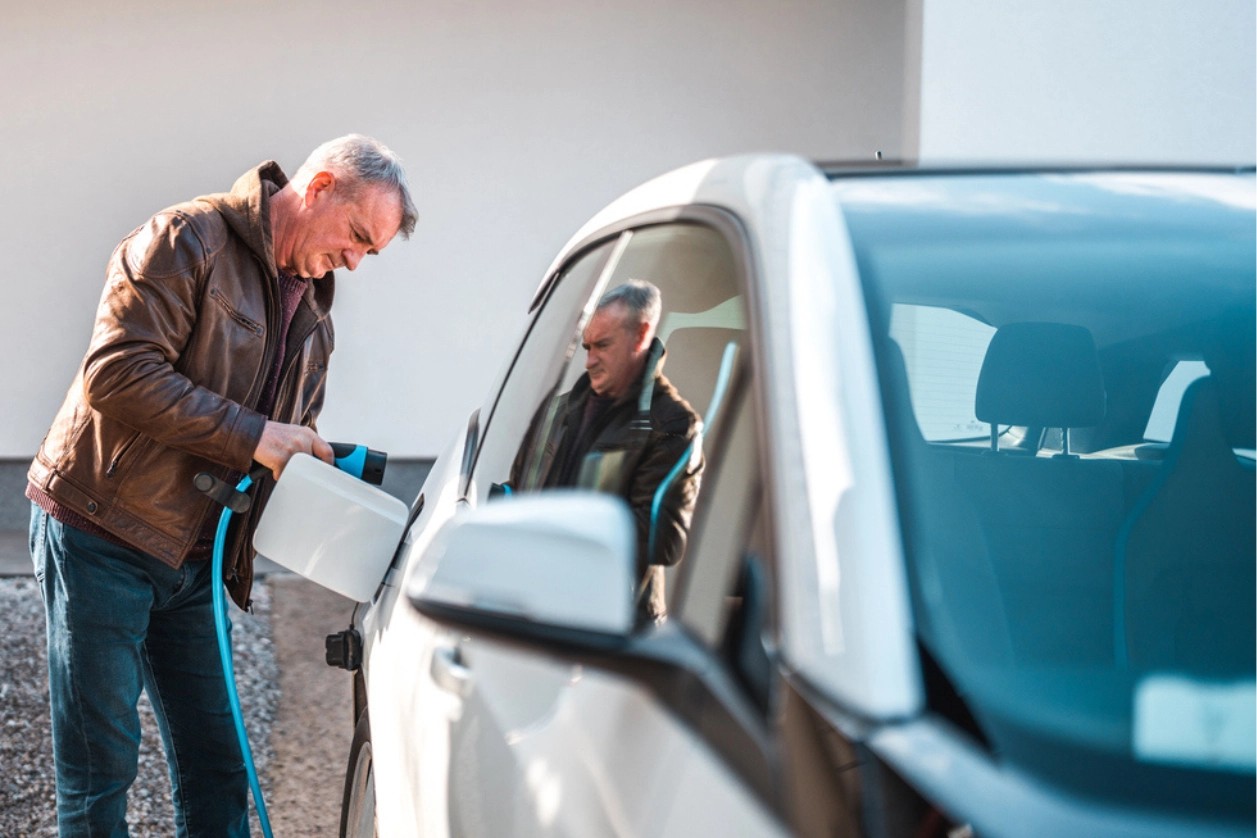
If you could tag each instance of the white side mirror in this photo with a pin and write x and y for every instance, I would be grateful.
(561, 559)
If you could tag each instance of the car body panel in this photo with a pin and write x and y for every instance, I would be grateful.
(500, 728)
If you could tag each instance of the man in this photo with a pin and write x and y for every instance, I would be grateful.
(209, 353)
(625, 429)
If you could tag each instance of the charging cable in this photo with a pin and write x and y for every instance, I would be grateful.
(224, 645)
(358, 460)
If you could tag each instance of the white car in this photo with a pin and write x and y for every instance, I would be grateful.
(973, 552)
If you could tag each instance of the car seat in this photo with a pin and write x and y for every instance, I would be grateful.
(1185, 557)
(1049, 522)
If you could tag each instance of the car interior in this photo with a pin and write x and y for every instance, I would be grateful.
(1071, 416)
(1149, 547)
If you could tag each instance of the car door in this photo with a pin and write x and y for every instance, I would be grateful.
(546, 744)
(416, 683)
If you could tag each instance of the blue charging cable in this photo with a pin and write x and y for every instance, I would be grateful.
(358, 460)
(224, 651)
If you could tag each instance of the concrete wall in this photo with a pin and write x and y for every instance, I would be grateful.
(1159, 81)
(520, 119)
(517, 120)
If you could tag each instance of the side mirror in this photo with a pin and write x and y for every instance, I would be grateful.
(550, 561)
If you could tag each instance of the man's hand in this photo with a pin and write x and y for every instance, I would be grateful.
(279, 442)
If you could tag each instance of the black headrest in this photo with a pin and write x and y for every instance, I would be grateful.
(1041, 375)
(896, 377)
(1198, 428)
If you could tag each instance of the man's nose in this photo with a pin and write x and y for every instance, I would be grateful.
(352, 258)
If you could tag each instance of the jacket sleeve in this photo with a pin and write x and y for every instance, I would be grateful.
(147, 312)
(666, 454)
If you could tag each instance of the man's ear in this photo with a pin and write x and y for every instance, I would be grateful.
(643, 336)
(322, 184)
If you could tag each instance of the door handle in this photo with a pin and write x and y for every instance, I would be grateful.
(449, 672)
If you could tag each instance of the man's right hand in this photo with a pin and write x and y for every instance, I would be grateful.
(279, 442)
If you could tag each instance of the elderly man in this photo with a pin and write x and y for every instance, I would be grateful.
(625, 429)
(209, 353)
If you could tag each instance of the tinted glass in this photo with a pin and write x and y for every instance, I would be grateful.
(1083, 576)
(639, 431)
(550, 343)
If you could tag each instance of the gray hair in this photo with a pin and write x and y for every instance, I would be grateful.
(359, 160)
(640, 297)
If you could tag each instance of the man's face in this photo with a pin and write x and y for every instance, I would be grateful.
(615, 351)
(336, 230)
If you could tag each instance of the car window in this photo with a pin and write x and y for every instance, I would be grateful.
(650, 452)
(727, 528)
(1091, 584)
(724, 591)
(942, 350)
(550, 343)
(1160, 426)
(702, 313)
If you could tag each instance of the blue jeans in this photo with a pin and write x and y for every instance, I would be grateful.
(120, 620)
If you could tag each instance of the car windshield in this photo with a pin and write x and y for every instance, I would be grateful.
(1067, 362)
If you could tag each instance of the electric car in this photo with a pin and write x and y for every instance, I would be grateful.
(972, 551)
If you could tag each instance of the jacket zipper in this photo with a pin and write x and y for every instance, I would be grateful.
(117, 460)
(268, 356)
(272, 316)
(272, 320)
(285, 385)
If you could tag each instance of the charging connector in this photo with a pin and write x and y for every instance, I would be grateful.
(362, 462)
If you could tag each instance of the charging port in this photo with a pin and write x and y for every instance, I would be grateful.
(344, 650)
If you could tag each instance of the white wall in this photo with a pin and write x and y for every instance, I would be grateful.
(517, 120)
(520, 119)
(1160, 81)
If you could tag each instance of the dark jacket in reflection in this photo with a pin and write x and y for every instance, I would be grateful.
(629, 448)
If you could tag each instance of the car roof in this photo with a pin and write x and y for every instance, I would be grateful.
(867, 168)
(740, 183)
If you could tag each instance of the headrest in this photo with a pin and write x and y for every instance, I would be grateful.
(1198, 428)
(896, 371)
(1230, 364)
(1041, 375)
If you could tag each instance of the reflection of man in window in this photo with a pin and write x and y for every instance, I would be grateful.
(624, 428)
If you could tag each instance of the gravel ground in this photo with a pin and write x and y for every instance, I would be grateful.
(302, 786)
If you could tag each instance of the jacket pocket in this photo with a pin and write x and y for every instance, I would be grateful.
(121, 455)
(249, 323)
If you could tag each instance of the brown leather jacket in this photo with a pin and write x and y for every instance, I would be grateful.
(177, 361)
